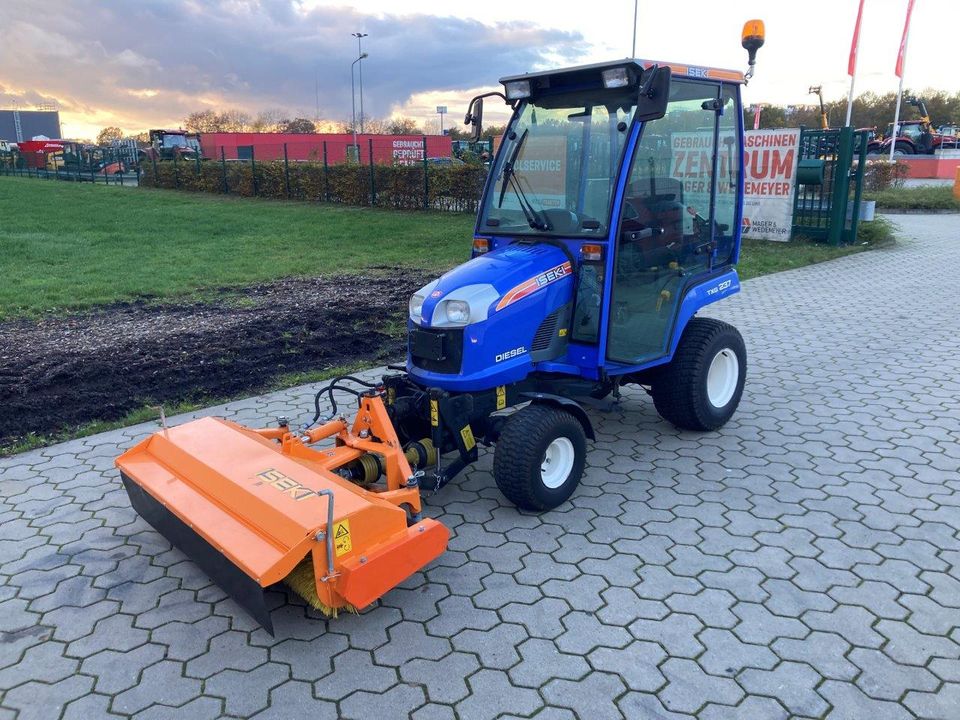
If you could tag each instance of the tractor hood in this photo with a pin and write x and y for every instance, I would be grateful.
(488, 284)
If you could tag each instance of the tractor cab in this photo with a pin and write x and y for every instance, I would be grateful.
(619, 184)
(173, 144)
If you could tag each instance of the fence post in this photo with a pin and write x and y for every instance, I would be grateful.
(841, 187)
(426, 176)
(286, 169)
(373, 184)
(56, 167)
(326, 174)
(861, 151)
(223, 170)
(176, 170)
(198, 170)
(253, 171)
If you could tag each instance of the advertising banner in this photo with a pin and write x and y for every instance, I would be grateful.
(770, 165)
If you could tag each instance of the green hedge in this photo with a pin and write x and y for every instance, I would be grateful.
(455, 188)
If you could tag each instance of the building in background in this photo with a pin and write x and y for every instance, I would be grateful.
(19, 125)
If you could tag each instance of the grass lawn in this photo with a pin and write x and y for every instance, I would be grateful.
(69, 246)
(929, 197)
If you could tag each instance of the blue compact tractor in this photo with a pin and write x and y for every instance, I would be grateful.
(610, 218)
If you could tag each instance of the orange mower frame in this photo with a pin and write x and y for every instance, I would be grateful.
(276, 508)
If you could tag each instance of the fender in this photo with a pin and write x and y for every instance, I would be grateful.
(699, 296)
(564, 403)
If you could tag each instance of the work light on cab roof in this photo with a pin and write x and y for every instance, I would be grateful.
(591, 260)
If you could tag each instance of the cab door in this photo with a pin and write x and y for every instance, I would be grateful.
(666, 234)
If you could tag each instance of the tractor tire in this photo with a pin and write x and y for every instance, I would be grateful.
(700, 388)
(902, 148)
(539, 458)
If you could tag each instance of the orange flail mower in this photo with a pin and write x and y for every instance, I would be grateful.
(256, 507)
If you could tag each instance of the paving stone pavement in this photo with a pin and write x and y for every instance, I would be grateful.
(803, 561)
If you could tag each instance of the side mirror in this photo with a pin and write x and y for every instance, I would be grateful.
(474, 118)
(654, 94)
(752, 39)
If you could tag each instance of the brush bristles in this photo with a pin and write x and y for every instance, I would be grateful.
(304, 583)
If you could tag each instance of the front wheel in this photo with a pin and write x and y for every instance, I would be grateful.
(539, 457)
(700, 388)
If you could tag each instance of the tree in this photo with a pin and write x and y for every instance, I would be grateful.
(300, 126)
(211, 121)
(108, 134)
(268, 121)
(403, 126)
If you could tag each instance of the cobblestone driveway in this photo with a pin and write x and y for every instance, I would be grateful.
(804, 561)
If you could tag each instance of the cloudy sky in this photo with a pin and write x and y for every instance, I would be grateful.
(148, 63)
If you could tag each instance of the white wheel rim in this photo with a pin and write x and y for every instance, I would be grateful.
(722, 377)
(557, 463)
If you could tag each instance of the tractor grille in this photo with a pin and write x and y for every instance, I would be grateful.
(546, 331)
(438, 350)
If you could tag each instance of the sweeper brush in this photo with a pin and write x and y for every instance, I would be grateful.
(256, 507)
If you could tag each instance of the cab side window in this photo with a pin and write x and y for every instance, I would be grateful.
(728, 176)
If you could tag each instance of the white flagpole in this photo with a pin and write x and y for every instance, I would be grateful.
(633, 53)
(896, 113)
(853, 79)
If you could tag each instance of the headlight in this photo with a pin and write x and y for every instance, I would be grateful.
(458, 312)
(416, 307)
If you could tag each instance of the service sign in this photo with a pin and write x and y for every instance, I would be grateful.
(542, 164)
(770, 165)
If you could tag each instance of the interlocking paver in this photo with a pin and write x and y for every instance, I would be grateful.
(689, 687)
(799, 562)
(791, 683)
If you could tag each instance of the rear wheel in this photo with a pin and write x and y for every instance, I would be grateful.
(539, 458)
(700, 388)
(902, 148)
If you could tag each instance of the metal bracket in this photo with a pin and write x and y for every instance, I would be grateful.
(327, 535)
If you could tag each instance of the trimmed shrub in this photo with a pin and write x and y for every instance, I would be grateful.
(454, 188)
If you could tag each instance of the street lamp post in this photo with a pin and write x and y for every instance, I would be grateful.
(360, 56)
(441, 110)
(353, 103)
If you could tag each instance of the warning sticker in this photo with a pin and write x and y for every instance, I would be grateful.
(467, 435)
(501, 397)
(341, 538)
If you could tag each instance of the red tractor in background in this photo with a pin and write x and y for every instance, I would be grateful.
(913, 137)
(171, 145)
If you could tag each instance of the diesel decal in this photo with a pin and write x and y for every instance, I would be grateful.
(507, 354)
(284, 484)
(535, 283)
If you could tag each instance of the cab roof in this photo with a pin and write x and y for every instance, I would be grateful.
(572, 74)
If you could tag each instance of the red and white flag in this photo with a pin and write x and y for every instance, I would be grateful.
(855, 44)
(903, 40)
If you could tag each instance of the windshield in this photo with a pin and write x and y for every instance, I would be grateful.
(171, 141)
(558, 164)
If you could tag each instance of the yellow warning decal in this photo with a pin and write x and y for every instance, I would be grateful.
(563, 332)
(434, 413)
(341, 538)
(467, 434)
(501, 397)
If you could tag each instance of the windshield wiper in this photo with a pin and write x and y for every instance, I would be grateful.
(529, 212)
(508, 167)
(508, 177)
